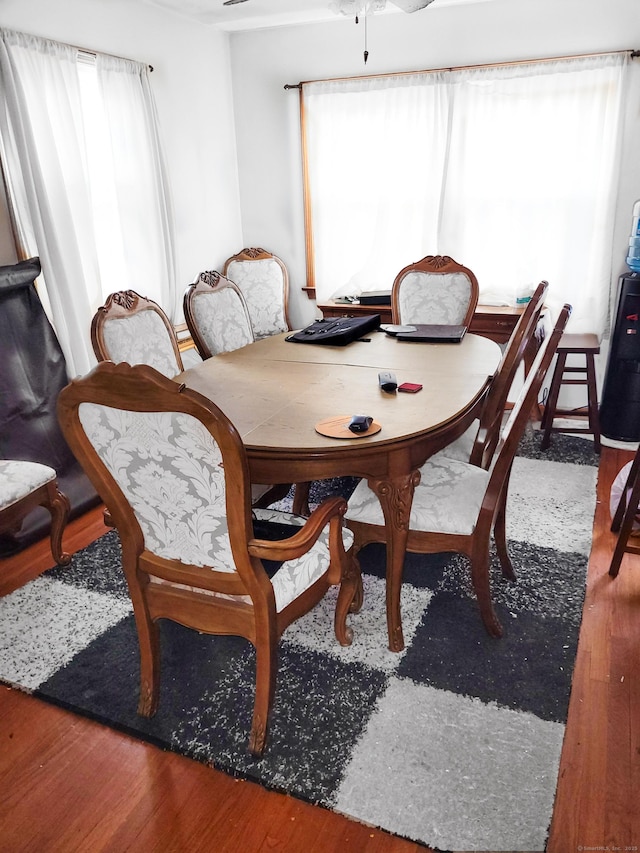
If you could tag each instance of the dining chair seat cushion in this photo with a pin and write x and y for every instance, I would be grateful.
(439, 299)
(261, 284)
(461, 448)
(141, 339)
(19, 479)
(447, 499)
(222, 320)
(169, 468)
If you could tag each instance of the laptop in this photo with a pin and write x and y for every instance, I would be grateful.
(434, 334)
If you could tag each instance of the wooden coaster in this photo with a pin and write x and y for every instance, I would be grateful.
(338, 427)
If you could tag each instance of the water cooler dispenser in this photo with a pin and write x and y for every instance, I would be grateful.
(620, 404)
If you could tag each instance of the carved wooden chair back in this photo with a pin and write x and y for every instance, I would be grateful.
(437, 290)
(521, 343)
(173, 473)
(216, 314)
(478, 442)
(264, 281)
(455, 504)
(134, 329)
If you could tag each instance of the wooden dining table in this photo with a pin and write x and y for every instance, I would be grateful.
(277, 392)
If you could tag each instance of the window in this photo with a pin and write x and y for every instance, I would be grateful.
(511, 170)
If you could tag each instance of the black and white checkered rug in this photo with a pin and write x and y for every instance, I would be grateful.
(454, 742)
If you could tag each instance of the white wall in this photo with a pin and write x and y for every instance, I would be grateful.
(192, 87)
(501, 30)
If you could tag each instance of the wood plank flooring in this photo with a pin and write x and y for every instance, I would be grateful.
(68, 784)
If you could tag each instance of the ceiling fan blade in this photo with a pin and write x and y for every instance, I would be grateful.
(411, 5)
(233, 2)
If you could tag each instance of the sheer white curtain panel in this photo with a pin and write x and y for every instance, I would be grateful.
(376, 150)
(82, 163)
(45, 170)
(532, 178)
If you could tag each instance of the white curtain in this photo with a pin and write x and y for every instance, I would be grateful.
(83, 168)
(511, 170)
(376, 150)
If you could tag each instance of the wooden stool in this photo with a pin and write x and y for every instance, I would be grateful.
(588, 346)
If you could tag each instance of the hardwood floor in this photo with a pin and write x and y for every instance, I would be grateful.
(68, 784)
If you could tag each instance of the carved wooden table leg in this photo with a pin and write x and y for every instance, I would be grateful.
(396, 496)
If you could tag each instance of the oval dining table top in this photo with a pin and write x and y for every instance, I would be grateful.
(276, 392)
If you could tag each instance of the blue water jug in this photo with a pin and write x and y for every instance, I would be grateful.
(633, 258)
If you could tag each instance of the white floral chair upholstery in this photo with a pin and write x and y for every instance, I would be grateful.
(457, 505)
(435, 290)
(134, 329)
(174, 475)
(216, 314)
(264, 282)
(25, 486)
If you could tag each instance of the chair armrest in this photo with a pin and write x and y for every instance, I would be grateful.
(331, 510)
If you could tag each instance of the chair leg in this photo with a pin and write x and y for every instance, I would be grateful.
(358, 598)
(149, 644)
(500, 534)
(626, 522)
(350, 586)
(266, 663)
(301, 499)
(482, 586)
(552, 400)
(592, 399)
(59, 507)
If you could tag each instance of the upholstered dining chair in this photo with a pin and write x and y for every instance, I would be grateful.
(25, 486)
(216, 314)
(264, 281)
(478, 443)
(132, 328)
(173, 472)
(436, 290)
(455, 503)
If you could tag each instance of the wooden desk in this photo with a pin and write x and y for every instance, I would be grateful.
(491, 321)
(275, 393)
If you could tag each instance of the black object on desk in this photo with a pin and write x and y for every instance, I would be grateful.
(337, 331)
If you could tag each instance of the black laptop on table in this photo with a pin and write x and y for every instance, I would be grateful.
(434, 334)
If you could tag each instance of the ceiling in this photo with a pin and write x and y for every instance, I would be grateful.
(258, 14)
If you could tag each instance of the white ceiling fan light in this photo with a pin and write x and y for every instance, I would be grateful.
(350, 8)
(357, 7)
(411, 5)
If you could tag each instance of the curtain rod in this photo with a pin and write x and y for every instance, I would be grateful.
(113, 55)
(92, 52)
(634, 54)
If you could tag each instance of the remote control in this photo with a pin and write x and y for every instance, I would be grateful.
(387, 381)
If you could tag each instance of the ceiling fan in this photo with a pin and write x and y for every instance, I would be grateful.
(358, 8)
